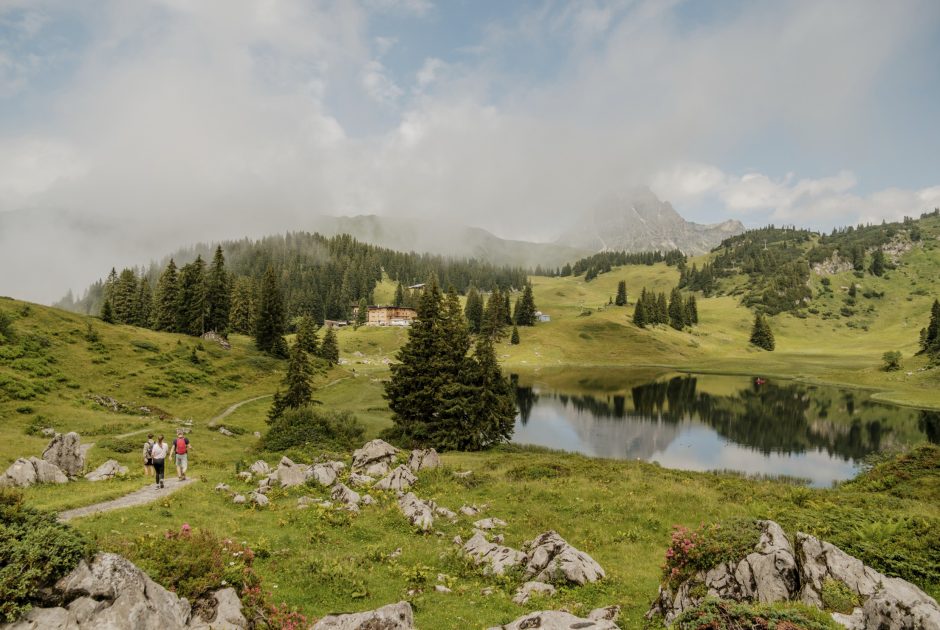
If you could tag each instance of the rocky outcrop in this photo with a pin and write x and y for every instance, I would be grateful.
(419, 513)
(260, 468)
(323, 474)
(374, 458)
(424, 459)
(775, 572)
(107, 470)
(290, 474)
(560, 620)
(392, 617)
(552, 559)
(25, 472)
(66, 452)
(215, 337)
(494, 558)
(399, 479)
(527, 590)
(360, 481)
(348, 497)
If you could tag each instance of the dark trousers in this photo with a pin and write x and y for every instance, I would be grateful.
(158, 467)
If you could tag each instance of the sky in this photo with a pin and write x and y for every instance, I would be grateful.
(128, 129)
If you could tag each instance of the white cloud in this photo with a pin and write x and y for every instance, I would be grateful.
(414, 7)
(378, 85)
(429, 71)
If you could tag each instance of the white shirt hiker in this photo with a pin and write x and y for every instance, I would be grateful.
(159, 451)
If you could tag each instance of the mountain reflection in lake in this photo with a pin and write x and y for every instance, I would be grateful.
(722, 423)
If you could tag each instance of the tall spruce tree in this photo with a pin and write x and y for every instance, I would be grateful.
(143, 315)
(297, 381)
(124, 297)
(269, 325)
(241, 317)
(930, 336)
(362, 313)
(474, 310)
(493, 324)
(494, 411)
(525, 308)
(761, 335)
(218, 294)
(514, 337)
(621, 299)
(329, 348)
(307, 336)
(399, 295)
(191, 304)
(877, 267)
(167, 298)
(662, 309)
(692, 310)
(506, 311)
(640, 310)
(107, 313)
(677, 310)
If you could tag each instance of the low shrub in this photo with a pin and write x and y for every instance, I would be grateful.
(145, 345)
(837, 597)
(713, 614)
(35, 551)
(308, 426)
(118, 445)
(691, 551)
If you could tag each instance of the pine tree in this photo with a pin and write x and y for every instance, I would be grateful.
(877, 267)
(166, 300)
(278, 407)
(621, 293)
(692, 310)
(474, 310)
(525, 308)
(761, 335)
(677, 311)
(662, 309)
(399, 295)
(362, 314)
(107, 313)
(269, 324)
(218, 295)
(329, 349)
(191, 304)
(143, 316)
(123, 297)
(493, 324)
(505, 311)
(930, 337)
(243, 309)
(514, 338)
(494, 411)
(640, 309)
(307, 336)
(298, 387)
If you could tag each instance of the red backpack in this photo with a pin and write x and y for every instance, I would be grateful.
(181, 446)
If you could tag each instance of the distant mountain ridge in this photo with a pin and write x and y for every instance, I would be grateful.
(639, 221)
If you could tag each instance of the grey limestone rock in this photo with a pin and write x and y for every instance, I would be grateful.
(524, 592)
(422, 459)
(419, 513)
(552, 559)
(66, 452)
(323, 474)
(374, 458)
(399, 479)
(26, 472)
(260, 468)
(107, 470)
(392, 617)
(556, 620)
(496, 558)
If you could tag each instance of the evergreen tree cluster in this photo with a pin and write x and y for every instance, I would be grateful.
(930, 336)
(603, 262)
(761, 334)
(440, 393)
(524, 311)
(653, 308)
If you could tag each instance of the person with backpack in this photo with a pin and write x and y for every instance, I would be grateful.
(159, 451)
(148, 456)
(181, 449)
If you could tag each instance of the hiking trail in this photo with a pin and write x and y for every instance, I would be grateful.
(142, 496)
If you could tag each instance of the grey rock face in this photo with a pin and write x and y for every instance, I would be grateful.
(527, 590)
(399, 479)
(66, 452)
(360, 481)
(323, 474)
(228, 613)
(374, 458)
(552, 559)
(424, 459)
(556, 620)
(107, 470)
(343, 494)
(259, 499)
(392, 617)
(496, 558)
(239, 498)
(290, 474)
(25, 472)
(419, 513)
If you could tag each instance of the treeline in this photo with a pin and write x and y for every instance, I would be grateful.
(318, 276)
(652, 308)
(603, 262)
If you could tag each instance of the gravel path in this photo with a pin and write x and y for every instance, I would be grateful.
(232, 409)
(139, 497)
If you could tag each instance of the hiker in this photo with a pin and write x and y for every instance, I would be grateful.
(181, 449)
(158, 451)
(148, 456)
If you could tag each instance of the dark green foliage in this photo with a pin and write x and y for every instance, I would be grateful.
(514, 337)
(314, 427)
(218, 294)
(297, 381)
(761, 335)
(107, 313)
(679, 316)
(474, 310)
(143, 309)
(122, 295)
(241, 315)
(603, 262)
(269, 326)
(6, 326)
(191, 306)
(400, 295)
(714, 614)
(651, 308)
(691, 307)
(167, 299)
(493, 324)
(329, 349)
(506, 310)
(35, 551)
(525, 308)
(362, 313)
(691, 551)
(877, 267)
(307, 336)
(621, 293)
(930, 336)
(892, 361)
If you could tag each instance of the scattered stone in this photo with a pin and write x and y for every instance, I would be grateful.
(497, 558)
(457, 540)
(226, 432)
(395, 553)
(343, 494)
(374, 458)
(556, 620)
(470, 510)
(323, 474)
(529, 589)
(257, 434)
(552, 559)
(486, 591)
(367, 500)
(260, 468)
(228, 613)
(107, 470)
(499, 539)
(245, 475)
(440, 588)
(462, 474)
(392, 617)
(490, 523)
(360, 481)
(608, 613)
(25, 472)
(259, 499)
(222, 487)
(290, 474)
(399, 479)
(444, 512)
(217, 338)
(238, 498)
(47, 432)
(337, 467)
(424, 459)
(418, 512)
(66, 452)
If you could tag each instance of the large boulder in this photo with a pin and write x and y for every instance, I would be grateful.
(107, 470)
(25, 472)
(260, 468)
(552, 559)
(399, 479)
(225, 615)
(419, 513)
(392, 617)
(422, 459)
(323, 474)
(496, 559)
(66, 452)
(374, 458)
(558, 620)
(290, 474)
(341, 493)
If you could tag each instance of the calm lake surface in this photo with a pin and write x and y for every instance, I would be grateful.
(705, 422)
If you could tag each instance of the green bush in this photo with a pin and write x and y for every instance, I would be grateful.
(691, 551)
(837, 597)
(119, 445)
(713, 614)
(307, 426)
(35, 551)
(892, 361)
(145, 345)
